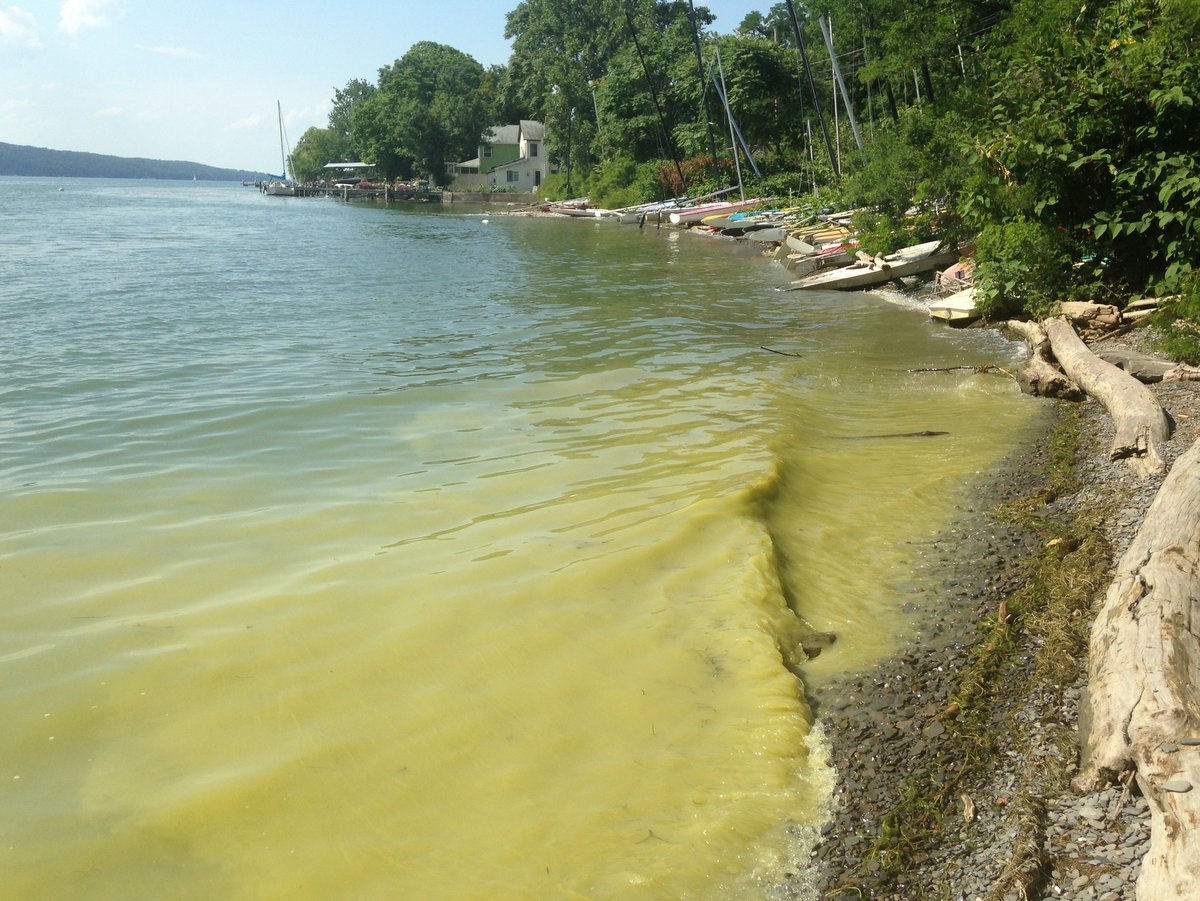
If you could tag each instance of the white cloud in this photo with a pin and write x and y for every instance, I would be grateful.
(19, 27)
(76, 15)
(12, 105)
(108, 112)
(252, 121)
(177, 52)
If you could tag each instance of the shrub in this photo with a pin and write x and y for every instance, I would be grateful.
(1022, 267)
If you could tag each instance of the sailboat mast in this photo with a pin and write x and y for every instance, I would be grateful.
(282, 153)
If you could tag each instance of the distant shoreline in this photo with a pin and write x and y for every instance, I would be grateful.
(40, 162)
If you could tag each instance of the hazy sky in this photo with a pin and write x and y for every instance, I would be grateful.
(199, 81)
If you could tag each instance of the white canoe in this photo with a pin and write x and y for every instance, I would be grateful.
(957, 309)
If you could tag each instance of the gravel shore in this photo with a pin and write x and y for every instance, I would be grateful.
(1015, 830)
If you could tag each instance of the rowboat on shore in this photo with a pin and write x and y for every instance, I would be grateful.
(639, 213)
(957, 309)
(693, 215)
(807, 264)
(579, 208)
(919, 259)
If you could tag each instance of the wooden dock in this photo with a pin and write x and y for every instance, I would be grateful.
(386, 195)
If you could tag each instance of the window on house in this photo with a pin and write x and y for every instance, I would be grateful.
(533, 148)
(487, 149)
(513, 176)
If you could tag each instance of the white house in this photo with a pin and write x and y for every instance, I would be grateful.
(512, 158)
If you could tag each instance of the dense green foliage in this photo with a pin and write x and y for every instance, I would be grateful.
(1058, 133)
(427, 108)
(1089, 141)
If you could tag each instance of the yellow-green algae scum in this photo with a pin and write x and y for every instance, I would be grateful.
(461, 599)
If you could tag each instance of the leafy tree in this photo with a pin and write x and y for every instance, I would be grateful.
(427, 109)
(498, 97)
(341, 117)
(763, 92)
(379, 136)
(561, 49)
(1090, 134)
(775, 26)
(316, 147)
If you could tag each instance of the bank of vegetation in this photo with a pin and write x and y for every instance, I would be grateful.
(1058, 134)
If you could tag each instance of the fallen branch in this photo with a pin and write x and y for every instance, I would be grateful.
(980, 369)
(1144, 682)
(1182, 373)
(1040, 376)
(1140, 421)
(782, 353)
(1090, 314)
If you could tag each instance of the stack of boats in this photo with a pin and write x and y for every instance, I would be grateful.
(820, 251)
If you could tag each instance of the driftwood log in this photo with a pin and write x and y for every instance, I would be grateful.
(1100, 315)
(1085, 313)
(1041, 377)
(1182, 373)
(1140, 421)
(1143, 703)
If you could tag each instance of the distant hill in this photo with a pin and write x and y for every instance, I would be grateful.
(16, 159)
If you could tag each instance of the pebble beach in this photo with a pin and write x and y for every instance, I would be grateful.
(1014, 829)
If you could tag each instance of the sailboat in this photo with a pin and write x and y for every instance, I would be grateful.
(280, 187)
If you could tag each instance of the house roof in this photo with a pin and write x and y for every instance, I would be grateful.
(533, 131)
(504, 134)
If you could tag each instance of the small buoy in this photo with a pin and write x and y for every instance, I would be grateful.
(484, 222)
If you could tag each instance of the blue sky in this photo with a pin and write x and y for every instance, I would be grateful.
(200, 81)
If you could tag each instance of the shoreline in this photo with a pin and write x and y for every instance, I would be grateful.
(1012, 827)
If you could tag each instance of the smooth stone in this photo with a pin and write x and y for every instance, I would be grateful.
(1177, 785)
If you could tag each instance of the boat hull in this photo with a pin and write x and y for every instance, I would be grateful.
(957, 309)
(693, 215)
(918, 260)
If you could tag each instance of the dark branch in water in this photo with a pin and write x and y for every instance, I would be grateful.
(985, 367)
(649, 835)
(782, 353)
(925, 434)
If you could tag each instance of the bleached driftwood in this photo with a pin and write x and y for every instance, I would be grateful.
(1182, 373)
(1094, 314)
(1144, 683)
(1040, 377)
(1140, 421)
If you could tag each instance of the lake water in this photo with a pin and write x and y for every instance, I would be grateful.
(351, 551)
